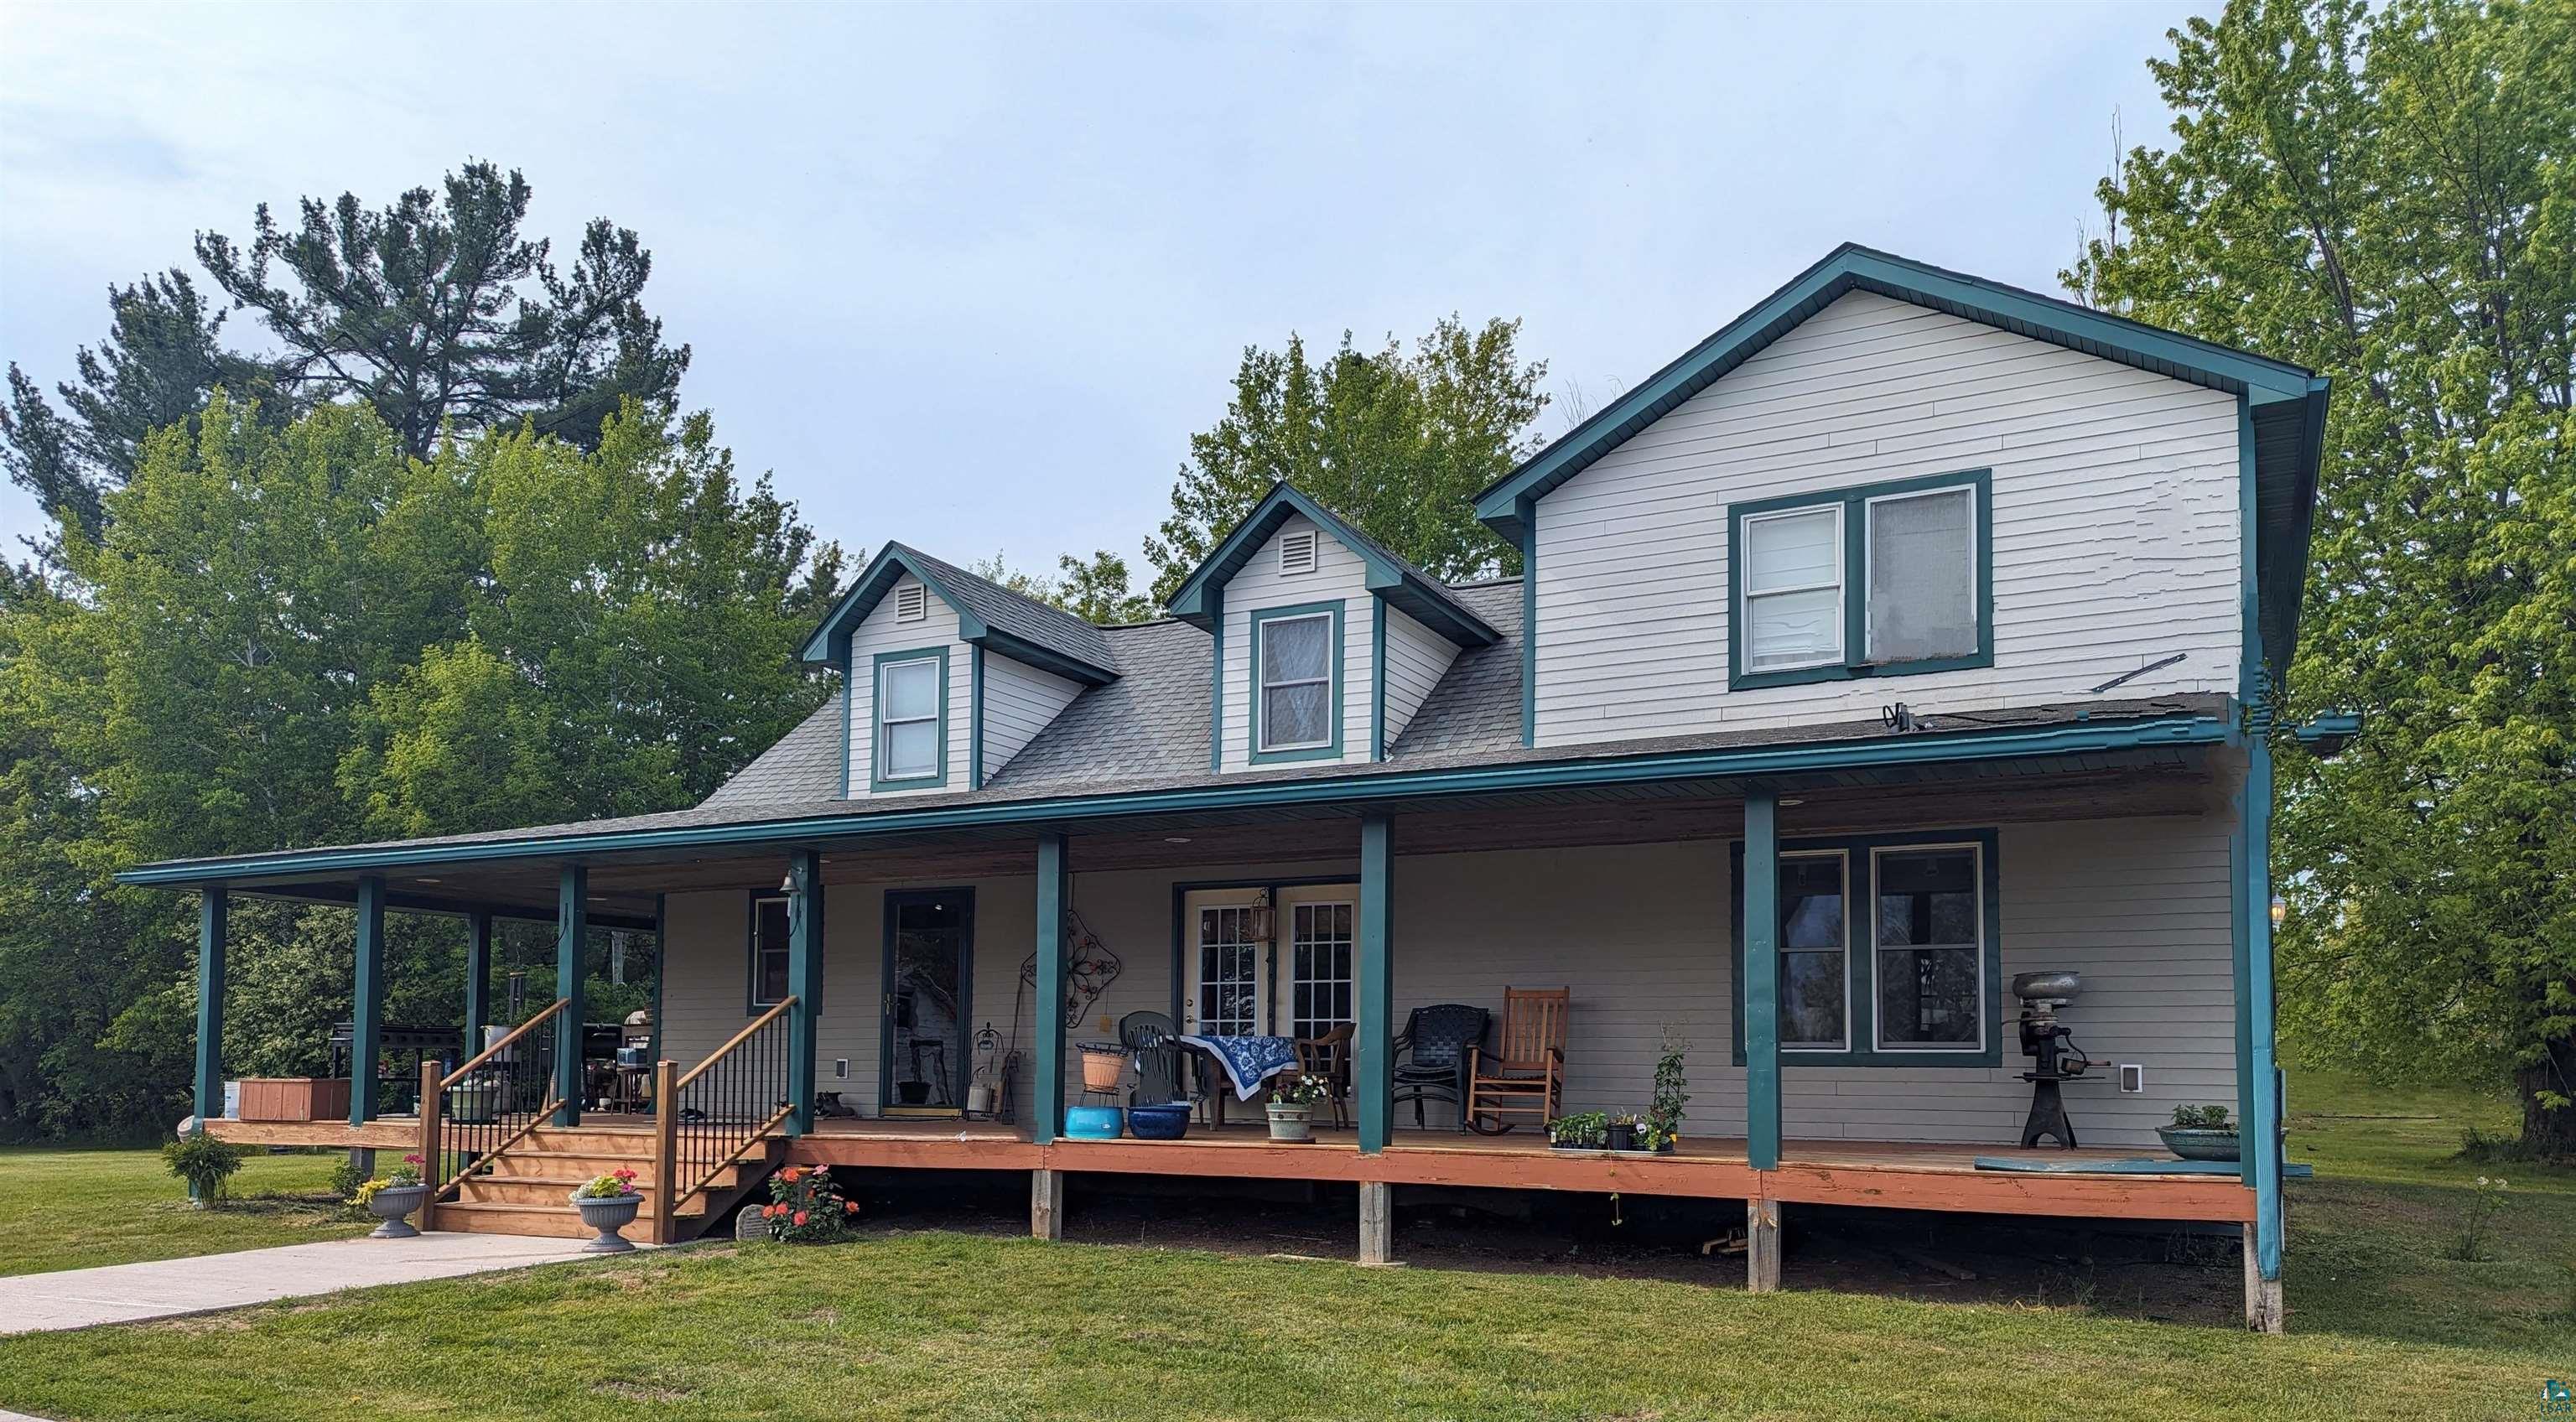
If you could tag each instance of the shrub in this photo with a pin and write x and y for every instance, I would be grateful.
(347, 1177)
(2201, 1118)
(203, 1161)
(805, 1207)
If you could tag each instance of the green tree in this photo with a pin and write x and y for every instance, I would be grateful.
(1396, 440)
(2389, 196)
(1094, 589)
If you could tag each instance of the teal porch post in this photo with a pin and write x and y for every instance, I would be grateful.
(661, 969)
(478, 980)
(367, 1001)
(572, 937)
(214, 913)
(805, 979)
(1046, 1070)
(2262, 1133)
(1374, 1041)
(1761, 979)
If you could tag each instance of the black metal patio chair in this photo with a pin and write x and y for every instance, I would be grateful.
(1431, 1056)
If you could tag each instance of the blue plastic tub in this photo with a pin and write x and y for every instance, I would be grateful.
(1167, 1122)
(1093, 1123)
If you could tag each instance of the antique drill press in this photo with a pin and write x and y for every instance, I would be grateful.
(2058, 1061)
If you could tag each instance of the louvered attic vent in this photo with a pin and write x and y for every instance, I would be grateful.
(1297, 552)
(911, 604)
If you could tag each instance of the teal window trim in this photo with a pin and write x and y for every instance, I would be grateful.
(753, 1004)
(877, 779)
(1329, 750)
(1853, 504)
(1860, 937)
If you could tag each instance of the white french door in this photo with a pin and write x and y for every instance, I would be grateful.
(1227, 974)
(1225, 969)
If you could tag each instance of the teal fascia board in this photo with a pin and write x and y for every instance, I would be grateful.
(1393, 581)
(1922, 748)
(830, 641)
(2288, 401)
(2326, 735)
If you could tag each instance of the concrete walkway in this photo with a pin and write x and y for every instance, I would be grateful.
(167, 1288)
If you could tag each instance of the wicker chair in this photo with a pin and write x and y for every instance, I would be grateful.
(1431, 1056)
(1525, 1075)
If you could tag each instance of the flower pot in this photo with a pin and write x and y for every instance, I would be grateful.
(607, 1214)
(1101, 1066)
(1291, 1122)
(1623, 1137)
(2196, 1143)
(390, 1204)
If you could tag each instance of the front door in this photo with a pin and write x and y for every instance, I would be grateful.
(1225, 970)
(1300, 985)
(929, 973)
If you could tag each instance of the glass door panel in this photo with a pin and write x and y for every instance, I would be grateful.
(929, 971)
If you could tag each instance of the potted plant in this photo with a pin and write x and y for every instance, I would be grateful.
(1623, 1131)
(392, 1196)
(1292, 1108)
(805, 1206)
(1584, 1130)
(607, 1204)
(1663, 1124)
(2200, 1133)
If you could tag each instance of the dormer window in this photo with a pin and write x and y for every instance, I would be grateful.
(1297, 703)
(912, 724)
(1874, 581)
(912, 603)
(1297, 552)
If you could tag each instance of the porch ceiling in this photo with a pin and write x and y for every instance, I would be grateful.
(2178, 780)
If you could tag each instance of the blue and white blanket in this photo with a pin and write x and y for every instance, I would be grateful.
(1249, 1061)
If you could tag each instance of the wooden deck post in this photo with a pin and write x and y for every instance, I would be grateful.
(1373, 1041)
(805, 979)
(1762, 1246)
(2263, 1308)
(1046, 1203)
(367, 1011)
(1761, 979)
(1377, 1222)
(1046, 1068)
(666, 1147)
(572, 937)
(213, 927)
(432, 1072)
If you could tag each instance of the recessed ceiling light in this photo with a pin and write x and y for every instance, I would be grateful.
(424, 881)
(1787, 800)
(1176, 839)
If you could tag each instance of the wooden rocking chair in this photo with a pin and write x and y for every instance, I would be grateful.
(1525, 1074)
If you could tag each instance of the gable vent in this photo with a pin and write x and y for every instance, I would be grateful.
(1297, 552)
(912, 604)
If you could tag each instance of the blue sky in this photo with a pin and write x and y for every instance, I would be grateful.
(971, 275)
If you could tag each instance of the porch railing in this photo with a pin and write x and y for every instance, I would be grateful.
(489, 1104)
(711, 1115)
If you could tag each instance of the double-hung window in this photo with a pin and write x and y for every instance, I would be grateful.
(1930, 937)
(1887, 950)
(1882, 579)
(1296, 705)
(911, 714)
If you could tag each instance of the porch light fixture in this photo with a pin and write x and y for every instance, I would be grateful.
(424, 881)
(787, 884)
(2280, 910)
(1263, 919)
(1176, 839)
(1789, 802)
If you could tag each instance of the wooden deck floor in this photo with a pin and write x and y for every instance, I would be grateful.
(1899, 1175)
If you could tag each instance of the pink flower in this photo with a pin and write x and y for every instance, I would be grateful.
(800, 1217)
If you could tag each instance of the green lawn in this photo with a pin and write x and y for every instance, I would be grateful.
(937, 1324)
(71, 1209)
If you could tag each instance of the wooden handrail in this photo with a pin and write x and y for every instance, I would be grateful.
(734, 1041)
(515, 1033)
(751, 1139)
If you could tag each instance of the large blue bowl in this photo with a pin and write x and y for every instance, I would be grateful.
(1167, 1122)
(1093, 1123)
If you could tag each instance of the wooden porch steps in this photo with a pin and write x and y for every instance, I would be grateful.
(526, 1190)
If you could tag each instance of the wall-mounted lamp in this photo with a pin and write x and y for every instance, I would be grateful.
(2280, 910)
(1263, 919)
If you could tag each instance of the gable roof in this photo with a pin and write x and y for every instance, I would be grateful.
(989, 615)
(1418, 594)
(2286, 402)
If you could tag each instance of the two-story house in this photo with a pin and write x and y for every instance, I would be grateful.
(1909, 634)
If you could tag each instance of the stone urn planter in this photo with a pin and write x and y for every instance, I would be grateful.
(1292, 1121)
(390, 1205)
(607, 1214)
(2200, 1142)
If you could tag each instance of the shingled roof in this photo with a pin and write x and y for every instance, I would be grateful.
(988, 614)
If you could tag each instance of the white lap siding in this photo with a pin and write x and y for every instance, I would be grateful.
(879, 632)
(1416, 658)
(1640, 933)
(1340, 577)
(1019, 700)
(2114, 545)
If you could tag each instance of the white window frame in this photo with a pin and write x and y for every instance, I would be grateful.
(1744, 581)
(1780, 949)
(1976, 946)
(1869, 560)
(1262, 686)
(886, 723)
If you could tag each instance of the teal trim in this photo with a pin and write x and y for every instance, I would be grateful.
(1759, 972)
(572, 980)
(1046, 1070)
(2257, 1064)
(1390, 578)
(1331, 750)
(887, 569)
(963, 898)
(1860, 943)
(478, 979)
(805, 979)
(849, 703)
(1216, 682)
(367, 1002)
(877, 778)
(1377, 683)
(214, 930)
(1920, 748)
(1528, 517)
(1373, 987)
(1854, 503)
(2326, 735)
(975, 719)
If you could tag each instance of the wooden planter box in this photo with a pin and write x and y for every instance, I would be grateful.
(295, 1098)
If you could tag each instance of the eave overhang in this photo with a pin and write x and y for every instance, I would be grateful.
(888, 569)
(1394, 582)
